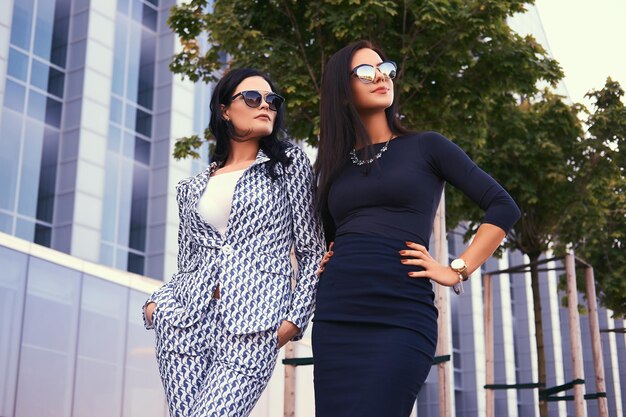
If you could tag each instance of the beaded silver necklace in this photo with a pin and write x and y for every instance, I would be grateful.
(355, 159)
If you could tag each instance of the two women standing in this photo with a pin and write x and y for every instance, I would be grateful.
(222, 318)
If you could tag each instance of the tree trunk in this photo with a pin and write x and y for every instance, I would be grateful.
(541, 355)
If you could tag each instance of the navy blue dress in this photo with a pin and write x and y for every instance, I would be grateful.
(375, 328)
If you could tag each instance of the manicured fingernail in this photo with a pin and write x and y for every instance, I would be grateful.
(410, 274)
(409, 243)
(402, 252)
(403, 261)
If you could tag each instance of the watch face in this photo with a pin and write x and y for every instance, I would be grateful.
(458, 264)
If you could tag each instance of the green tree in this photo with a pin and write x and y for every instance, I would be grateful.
(600, 215)
(462, 71)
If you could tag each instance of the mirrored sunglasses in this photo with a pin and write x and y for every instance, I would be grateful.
(366, 73)
(254, 98)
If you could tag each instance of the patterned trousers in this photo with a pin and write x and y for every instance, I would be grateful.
(225, 379)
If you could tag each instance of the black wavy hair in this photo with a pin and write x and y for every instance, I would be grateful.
(341, 128)
(223, 131)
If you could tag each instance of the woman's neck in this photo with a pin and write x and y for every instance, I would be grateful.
(242, 152)
(377, 127)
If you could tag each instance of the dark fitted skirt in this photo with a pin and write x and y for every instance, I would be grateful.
(374, 333)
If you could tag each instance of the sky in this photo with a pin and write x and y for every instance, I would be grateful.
(588, 38)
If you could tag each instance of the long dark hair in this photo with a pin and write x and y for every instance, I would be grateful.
(223, 130)
(341, 128)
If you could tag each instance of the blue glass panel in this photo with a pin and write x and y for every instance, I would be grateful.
(48, 175)
(44, 24)
(22, 23)
(137, 10)
(56, 82)
(121, 259)
(106, 254)
(155, 2)
(132, 66)
(110, 201)
(10, 138)
(14, 96)
(18, 64)
(12, 289)
(135, 263)
(49, 339)
(128, 149)
(143, 124)
(43, 235)
(125, 190)
(131, 117)
(143, 392)
(101, 348)
(53, 112)
(150, 17)
(122, 6)
(6, 223)
(116, 110)
(61, 32)
(119, 55)
(146, 70)
(39, 75)
(25, 229)
(31, 163)
(36, 105)
(114, 139)
(139, 212)
(142, 151)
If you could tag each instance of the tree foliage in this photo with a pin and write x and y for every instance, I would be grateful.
(462, 72)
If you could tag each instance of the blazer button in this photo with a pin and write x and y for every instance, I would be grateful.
(227, 249)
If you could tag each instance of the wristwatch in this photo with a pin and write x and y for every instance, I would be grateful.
(460, 267)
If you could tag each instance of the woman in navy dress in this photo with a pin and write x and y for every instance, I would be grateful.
(379, 186)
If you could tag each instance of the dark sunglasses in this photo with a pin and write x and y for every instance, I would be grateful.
(254, 98)
(366, 73)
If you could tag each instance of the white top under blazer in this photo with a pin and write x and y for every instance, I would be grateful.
(216, 201)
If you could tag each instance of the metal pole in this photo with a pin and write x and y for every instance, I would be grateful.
(574, 327)
(489, 353)
(442, 301)
(596, 343)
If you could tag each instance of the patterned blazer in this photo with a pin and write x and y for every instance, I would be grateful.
(251, 262)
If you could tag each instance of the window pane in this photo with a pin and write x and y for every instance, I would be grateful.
(37, 105)
(15, 96)
(44, 24)
(12, 288)
(114, 140)
(10, 138)
(116, 110)
(48, 175)
(56, 82)
(39, 75)
(53, 112)
(135, 263)
(109, 209)
(101, 349)
(119, 57)
(139, 213)
(61, 31)
(143, 124)
(21, 25)
(142, 151)
(18, 64)
(149, 17)
(49, 340)
(146, 70)
(25, 229)
(43, 235)
(31, 164)
(6, 225)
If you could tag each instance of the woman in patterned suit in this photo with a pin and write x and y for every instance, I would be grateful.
(222, 318)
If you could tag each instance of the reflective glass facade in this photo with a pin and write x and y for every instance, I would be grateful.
(129, 140)
(72, 343)
(30, 118)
